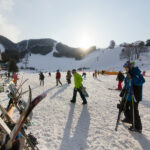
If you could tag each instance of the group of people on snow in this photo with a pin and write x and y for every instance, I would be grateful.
(77, 81)
(131, 93)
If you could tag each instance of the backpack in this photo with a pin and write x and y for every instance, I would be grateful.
(138, 80)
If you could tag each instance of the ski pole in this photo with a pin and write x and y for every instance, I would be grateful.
(133, 112)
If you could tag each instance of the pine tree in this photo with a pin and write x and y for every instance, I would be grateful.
(12, 67)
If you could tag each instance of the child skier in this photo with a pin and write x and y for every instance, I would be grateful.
(68, 77)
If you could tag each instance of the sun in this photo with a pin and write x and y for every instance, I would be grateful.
(85, 42)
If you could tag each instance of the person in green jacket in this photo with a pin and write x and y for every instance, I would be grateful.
(78, 87)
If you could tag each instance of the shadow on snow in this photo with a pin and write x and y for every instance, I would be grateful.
(60, 90)
(79, 139)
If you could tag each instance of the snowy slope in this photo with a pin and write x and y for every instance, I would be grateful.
(2, 48)
(100, 59)
(59, 125)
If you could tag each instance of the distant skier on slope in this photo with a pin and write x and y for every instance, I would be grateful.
(68, 77)
(49, 74)
(58, 76)
(78, 87)
(41, 78)
(95, 74)
(120, 78)
(133, 88)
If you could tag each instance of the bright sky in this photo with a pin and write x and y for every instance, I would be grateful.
(77, 23)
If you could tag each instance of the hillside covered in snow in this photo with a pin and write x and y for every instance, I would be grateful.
(101, 59)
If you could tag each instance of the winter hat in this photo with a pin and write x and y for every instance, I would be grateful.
(74, 70)
(127, 65)
(133, 64)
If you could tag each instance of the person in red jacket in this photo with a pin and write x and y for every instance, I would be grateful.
(15, 78)
(58, 76)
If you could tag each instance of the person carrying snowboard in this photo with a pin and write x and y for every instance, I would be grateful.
(58, 76)
(120, 78)
(41, 78)
(133, 88)
(68, 77)
(78, 87)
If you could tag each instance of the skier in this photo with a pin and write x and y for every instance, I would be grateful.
(103, 72)
(84, 75)
(144, 72)
(133, 87)
(68, 77)
(58, 76)
(78, 87)
(15, 78)
(41, 78)
(120, 78)
(49, 74)
(95, 74)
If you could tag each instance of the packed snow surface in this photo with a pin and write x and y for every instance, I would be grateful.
(60, 125)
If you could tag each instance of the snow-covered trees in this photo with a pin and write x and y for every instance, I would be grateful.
(132, 51)
(112, 44)
(148, 42)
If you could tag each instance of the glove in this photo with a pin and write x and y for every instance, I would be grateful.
(118, 106)
(75, 89)
(123, 92)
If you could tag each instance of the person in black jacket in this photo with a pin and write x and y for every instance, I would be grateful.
(120, 78)
(41, 78)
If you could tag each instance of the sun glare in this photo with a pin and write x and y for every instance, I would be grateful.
(85, 42)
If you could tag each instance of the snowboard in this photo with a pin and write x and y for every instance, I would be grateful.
(4, 127)
(5, 115)
(114, 89)
(84, 92)
(127, 127)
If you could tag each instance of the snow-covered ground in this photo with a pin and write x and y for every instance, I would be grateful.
(59, 125)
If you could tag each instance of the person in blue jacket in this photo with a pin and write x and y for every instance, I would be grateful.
(133, 87)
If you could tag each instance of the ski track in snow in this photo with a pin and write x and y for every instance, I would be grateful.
(59, 125)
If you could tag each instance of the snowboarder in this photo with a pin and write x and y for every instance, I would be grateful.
(58, 76)
(41, 78)
(68, 77)
(120, 78)
(49, 74)
(78, 87)
(133, 87)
